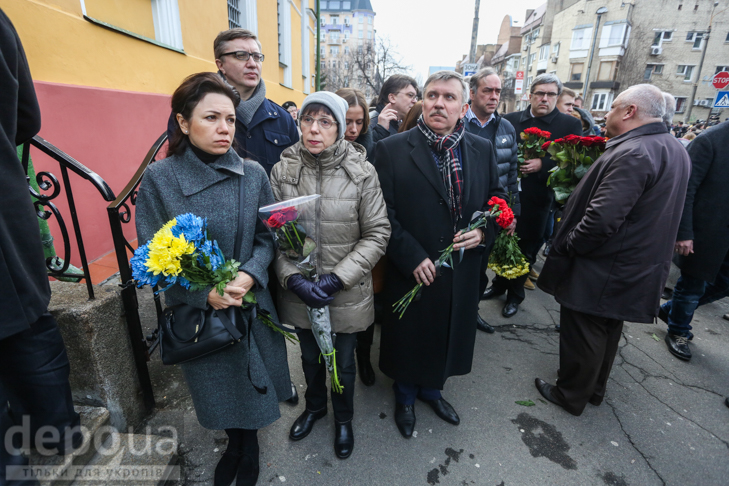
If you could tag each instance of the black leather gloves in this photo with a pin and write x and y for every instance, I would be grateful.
(330, 283)
(308, 292)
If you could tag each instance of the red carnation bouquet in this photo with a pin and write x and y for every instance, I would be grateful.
(506, 258)
(533, 145)
(573, 155)
(497, 209)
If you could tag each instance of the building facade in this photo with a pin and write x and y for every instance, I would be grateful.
(347, 45)
(104, 73)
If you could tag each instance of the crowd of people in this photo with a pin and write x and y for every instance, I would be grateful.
(399, 180)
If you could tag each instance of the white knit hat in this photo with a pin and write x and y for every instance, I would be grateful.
(336, 104)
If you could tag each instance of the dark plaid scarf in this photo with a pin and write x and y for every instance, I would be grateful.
(447, 154)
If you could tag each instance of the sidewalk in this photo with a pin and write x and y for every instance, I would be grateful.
(663, 421)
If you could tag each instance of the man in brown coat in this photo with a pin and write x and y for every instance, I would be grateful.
(611, 257)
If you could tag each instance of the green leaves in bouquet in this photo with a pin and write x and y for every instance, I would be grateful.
(293, 241)
(504, 250)
(202, 276)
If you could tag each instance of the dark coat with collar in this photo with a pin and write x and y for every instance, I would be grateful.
(221, 391)
(611, 256)
(24, 289)
(536, 197)
(436, 336)
(271, 131)
(378, 132)
(705, 217)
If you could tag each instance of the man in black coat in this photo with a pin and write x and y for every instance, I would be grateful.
(434, 177)
(483, 120)
(611, 256)
(535, 196)
(34, 366)
(703, 239)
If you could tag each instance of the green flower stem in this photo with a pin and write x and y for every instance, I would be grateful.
(286, 234)
(298, 236)
(336, 385)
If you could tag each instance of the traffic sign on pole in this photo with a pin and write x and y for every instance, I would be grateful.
(519, 83)
(722, 99)
(720, 80)
(469, 69)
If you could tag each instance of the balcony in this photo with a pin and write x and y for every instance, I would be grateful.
(573, 85)
(602, 85)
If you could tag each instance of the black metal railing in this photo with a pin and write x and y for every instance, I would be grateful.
(45, 207)
(120, 214)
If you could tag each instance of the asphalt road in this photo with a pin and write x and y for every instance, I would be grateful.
(663, 421)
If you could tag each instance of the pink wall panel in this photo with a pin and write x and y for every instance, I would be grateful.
(108, 131)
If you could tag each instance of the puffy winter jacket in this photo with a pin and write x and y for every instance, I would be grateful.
(349, 224)
(506, 158)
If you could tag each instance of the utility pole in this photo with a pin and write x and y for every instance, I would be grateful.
(600, 12)
(318, 47)
(474, 35)
(695, 86)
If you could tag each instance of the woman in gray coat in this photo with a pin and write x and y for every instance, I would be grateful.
(351, 232)
(203, 175)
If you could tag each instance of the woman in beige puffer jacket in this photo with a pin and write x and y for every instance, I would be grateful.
(351, 229)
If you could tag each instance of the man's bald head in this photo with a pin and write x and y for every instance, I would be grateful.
(636, 106)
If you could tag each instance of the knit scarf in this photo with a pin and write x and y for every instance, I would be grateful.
(246, 109)
(446, 153)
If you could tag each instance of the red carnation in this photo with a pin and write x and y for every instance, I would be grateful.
(506, 217)
(497, 200)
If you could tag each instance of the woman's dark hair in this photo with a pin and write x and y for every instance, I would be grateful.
(288, 105)
(185, 99)
(412, 117)
(313, 108)
(355, 97)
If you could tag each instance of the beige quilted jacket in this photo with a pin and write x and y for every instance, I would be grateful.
(349, 224)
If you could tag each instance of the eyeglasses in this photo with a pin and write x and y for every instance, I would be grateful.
(411, 95)
(324, 123)
(245, 55)
(542, 94)
(488, 91)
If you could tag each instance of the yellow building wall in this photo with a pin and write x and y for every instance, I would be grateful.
(63, 47)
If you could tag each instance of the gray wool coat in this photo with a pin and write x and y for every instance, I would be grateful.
(221, 390)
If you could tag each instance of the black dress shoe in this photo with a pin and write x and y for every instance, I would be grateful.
(678, 346)
(510, 309)
(344, 440)
(405, 419)
(248, 468)
(484, 326)
(294, 398)
(303, 425)
(545, 389)
(490, 293)
(444, 410)
(364, 365)
(227, 467)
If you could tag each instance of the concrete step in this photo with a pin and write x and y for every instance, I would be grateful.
(132, 459)
(58, 469)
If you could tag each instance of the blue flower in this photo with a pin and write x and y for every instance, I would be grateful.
(191, 226)
(211, 250)
(140, 272)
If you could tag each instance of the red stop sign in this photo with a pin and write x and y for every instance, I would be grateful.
(721, 80)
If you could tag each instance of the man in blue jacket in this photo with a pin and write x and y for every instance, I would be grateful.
(483, 120)
(262, 128)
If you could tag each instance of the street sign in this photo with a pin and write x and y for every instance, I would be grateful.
(721, 80)
(722, 99)
(469, 69)
(519, 82)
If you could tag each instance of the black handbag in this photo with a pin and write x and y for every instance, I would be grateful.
(187, 333)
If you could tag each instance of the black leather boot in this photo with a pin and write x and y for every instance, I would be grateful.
(248, 468)
(227, 467)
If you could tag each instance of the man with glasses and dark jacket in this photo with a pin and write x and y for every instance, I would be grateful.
(262, 128)
(535, 196)
(398, 94)
(483, 120)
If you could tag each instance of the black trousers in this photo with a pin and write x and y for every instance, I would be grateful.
(34, 390)
(587, 348)
(315, 372)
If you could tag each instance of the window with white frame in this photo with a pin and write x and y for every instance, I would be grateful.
(234, 14)
(581, 38)
(166, 18)
(576, 71)
(600, 102)
(721, 68)
(686, 71)
(662, 36)
(334, 36)
(323, 20)
(346, 49)
(335, 19)
(696, 38)
(533, 37)
(243, 14)
(361, 18)
(652, 69)
(516, 63)
(544, 53)
(334, 5)
(369, 19)
(529, 82)
(334, 50)
(613, 34)
(361, 34)
(346, 5)
(555, 49)
(680, 104)
(283, 12)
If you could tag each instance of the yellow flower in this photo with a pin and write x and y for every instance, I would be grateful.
(165, 251)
